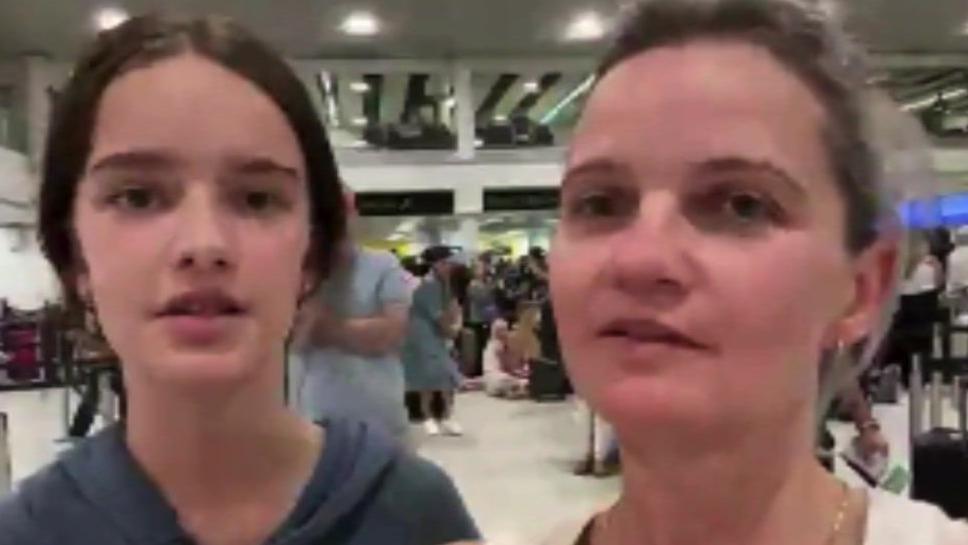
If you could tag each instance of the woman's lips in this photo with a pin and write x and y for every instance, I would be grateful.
(649, 332)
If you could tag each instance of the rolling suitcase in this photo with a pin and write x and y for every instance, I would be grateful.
(547, 381)
(939, 456)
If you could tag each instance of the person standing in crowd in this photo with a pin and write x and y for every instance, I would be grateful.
(956, 288)
(912, 332)
(728, 235)
(428, 366)
(349, 338)
(190, 201)
(479, 313)
(537, 273)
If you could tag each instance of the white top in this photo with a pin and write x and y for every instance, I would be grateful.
(958, 269)
(891, 520)
(895, 520)
(923, 278)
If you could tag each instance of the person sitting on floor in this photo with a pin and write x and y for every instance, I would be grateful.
(505, 374)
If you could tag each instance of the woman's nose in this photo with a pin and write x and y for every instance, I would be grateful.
(652, 256)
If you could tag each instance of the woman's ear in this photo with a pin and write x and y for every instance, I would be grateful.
(874, 285)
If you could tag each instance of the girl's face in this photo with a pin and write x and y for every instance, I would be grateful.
(192, 219)
(700, 268)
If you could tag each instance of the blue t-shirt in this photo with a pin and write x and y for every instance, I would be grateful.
(364, 491)
(331, 383)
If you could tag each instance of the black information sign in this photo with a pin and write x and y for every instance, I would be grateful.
(408, 203)
(508, 200)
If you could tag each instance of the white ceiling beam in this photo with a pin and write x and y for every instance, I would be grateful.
(478, 64)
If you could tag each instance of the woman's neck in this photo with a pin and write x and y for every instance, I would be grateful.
(760, 493)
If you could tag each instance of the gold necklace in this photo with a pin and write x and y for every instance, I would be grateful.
(841, 514)
(602, 521)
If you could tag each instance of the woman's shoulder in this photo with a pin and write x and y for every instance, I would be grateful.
(894, 520)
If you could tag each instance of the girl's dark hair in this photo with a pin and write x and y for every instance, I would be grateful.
(138, 43)
(803, 40)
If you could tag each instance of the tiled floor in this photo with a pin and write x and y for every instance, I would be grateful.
(512, 467)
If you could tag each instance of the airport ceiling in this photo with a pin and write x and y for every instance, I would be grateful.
(443, 28)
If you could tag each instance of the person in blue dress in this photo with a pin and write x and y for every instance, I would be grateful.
(347, 361)
(428, 366)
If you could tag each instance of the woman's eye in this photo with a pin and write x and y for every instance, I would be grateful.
(595, 205)
(731, 209)
(598, 205)
(257, 200)
(747, 207)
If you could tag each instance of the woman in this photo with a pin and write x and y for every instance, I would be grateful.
(479, 312)
(190, 199)
(434, 320)
(913, 330)
(346, 348)
(505, 372)
(723, 241)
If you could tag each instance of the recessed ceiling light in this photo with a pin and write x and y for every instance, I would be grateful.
(360, 121)
(109, 17)
(532, 86)
(585, 27)
(360, 87)
(361, 23)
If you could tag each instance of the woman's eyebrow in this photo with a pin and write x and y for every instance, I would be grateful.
(594, 165)
(742, 165)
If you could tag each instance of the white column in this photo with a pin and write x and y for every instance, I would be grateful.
(36, 80)
(464, 94)
(469, 235)
(430, 235)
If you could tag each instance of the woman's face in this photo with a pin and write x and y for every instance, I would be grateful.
(500, 331)
(699, 266)
(192, 220)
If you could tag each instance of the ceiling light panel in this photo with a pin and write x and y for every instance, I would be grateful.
(361, 23)
(585, 27)
(109, 17)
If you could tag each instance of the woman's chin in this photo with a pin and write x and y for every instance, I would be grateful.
(656, 404)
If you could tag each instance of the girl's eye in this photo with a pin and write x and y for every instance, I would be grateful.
(135, 199)
(257, 201)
